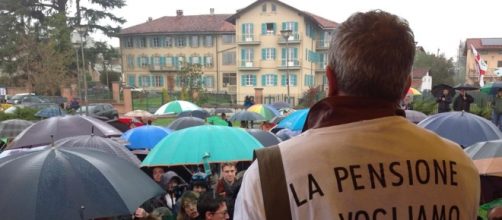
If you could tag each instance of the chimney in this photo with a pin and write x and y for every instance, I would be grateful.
(179, 12)
(211, 11)
(150, 19)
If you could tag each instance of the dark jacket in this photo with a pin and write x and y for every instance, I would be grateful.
(463, 103)
(443, 103)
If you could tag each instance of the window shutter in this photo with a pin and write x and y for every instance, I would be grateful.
(251, 31)
(253, 78)
(263, 54)
(273, 53)
(283, 54)
(274, 27)
(275, 79)
(263, 28)
(295, 27)
(138, 61)
(190, 60)
(202, 60)
(295, 54)
(161, 81)
(293, 79)
(243, 54)
(243, 81)
(162, 60)
(283, 25)
(263, 80)
(140, 81)
(283, 79)
(243, 29)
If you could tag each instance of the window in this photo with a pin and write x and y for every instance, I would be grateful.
(268, 54)
(141, 42)
(156, 60)
(129, 42)
(181, 41)
(269, 80)
(130, 61)
(247, 55)
(268, 28)
(247, 32)
(248, 80)
(168, 42)
(309, 79)
(194, 41)
(157, 81)
(228, 39)
(292, 79)
(229, 79)
(142, 61)
(293, 26)
(499, 63)
(274, 7)
(229, 58)
(194, 60)
(208, 81)
(264, 7)
(208, 41)
(169, 61)
(208, 61)
(131, 80)
(156, 41)
(144, 81)
(290, 55)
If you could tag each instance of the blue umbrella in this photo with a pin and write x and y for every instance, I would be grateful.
(145, 137)
(461, 127)
(295, 120)
(50, 112)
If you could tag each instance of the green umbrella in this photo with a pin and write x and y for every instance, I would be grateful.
(190, 145)
(483, 209)
(216, 120)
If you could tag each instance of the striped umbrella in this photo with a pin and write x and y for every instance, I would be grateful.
(267, 111)
(487, 157)
(11, 128)
(175, 107)
(413, 91)
(139, 113)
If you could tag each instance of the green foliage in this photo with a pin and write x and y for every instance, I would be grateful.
(484, 111)
(427, 106)
(165, 96)
(441, 69)
(190, 76)
(311, 96)
(20, 113)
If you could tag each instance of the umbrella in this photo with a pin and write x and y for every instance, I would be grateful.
(190, 145)
(485, 208)
(437, 90)
(223, 110)
(277, 119)
(52, 129)
(267, 111)
(413, 91)
(200, 113)
(118, 125)
(175, 107)
(295, 120)
(99, 143)
(280, 105)
(246, 116)
(216, 120)
(11, 128)
(139, 113)
(286, 134)
(185, 122)
(286, 111)
(63, 183)
(266, 138)
(492, 88)
(461, 127)
(50, 112)
(466, 87)
(145, 137)
(415, 116)
(487, 157)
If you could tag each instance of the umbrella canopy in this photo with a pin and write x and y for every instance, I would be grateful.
(295, 120)
(279, 105)
(52, 129)
(487, 156)
(492, 88)
(485, 208)
(200, 113)
(286, 134)
(277, 119)
(216, 120)
(437, 90)
(266, 138)
(118, 125)
(11, 128)
(190, 145)
(76, 183)
(267, 111)
(415, 116)
(246, 116)
(223, 110)
(99, 143)
(286, 111)
(413, 91)
(139, 113)
(461, 127)
(185, 122)
(175, 107)
(466, 87)
(50, 112)
(145, 137)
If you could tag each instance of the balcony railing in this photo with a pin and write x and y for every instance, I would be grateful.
(249, 65)
(295, 38)
(322, 44)
(154, 68)
(291, 64)
(248, 39)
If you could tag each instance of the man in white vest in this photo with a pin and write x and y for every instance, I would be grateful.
(359, 158)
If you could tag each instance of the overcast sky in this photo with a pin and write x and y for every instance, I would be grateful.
(439, 24)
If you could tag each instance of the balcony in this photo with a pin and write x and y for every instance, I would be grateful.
(158, 68)
(292, 65)
(249, 65)
(248, 39)
(322, 44)
(295, 38)
(320, 67)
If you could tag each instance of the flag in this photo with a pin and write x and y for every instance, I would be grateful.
(481, 65)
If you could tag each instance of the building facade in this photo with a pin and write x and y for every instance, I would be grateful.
(490, 50)
(242, 54)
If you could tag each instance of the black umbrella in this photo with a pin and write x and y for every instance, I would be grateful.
(11, 128)
(99, 143)
(223, 110)
(118, 125)
(277, 119)
(202, 114)
(266, 138)
(461, 127)
(246, 116)
(52, 129)
(72, 183)
(280, 105)
(466, 87)
(437, 90)
(185, 122)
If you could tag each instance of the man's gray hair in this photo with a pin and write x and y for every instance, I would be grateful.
(372, 54)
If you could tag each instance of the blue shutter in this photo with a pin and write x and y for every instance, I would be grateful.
(263, 79)
(243, 54)
(190, 60)
(283, 79)
(251, 54)
(283, 56)
(295, 27)
(242, 80)
(162, 60)
(273, 53)
(293, 79)
(251, 31)
(152, 60)
(274, 27)
(263, 28)
(243, 29)
(275, 79)
(295, 56)
(175, 62)
(263, 54)
(138, 61)
(253, 79)
(283, 25)
(161, 81)
(140, 81)
(131, 79)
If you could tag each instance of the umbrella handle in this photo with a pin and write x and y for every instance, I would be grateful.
(82, 208)
(205, 160)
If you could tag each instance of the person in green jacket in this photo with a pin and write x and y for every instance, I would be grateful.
(497, 109)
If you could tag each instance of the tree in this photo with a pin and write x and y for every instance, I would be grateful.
(440, 68)
(190, 77)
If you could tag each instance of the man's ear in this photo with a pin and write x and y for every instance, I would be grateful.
(407, 87)
(330, 75)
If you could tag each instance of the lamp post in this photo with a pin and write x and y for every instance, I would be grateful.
(77, 46)
(286, 34)
(82, 31)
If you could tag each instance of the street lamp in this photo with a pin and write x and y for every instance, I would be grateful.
(81, 31)
(77, 46)
(286, 34)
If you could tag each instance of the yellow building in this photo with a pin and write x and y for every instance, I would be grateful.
(242, 54)
(490, 50)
